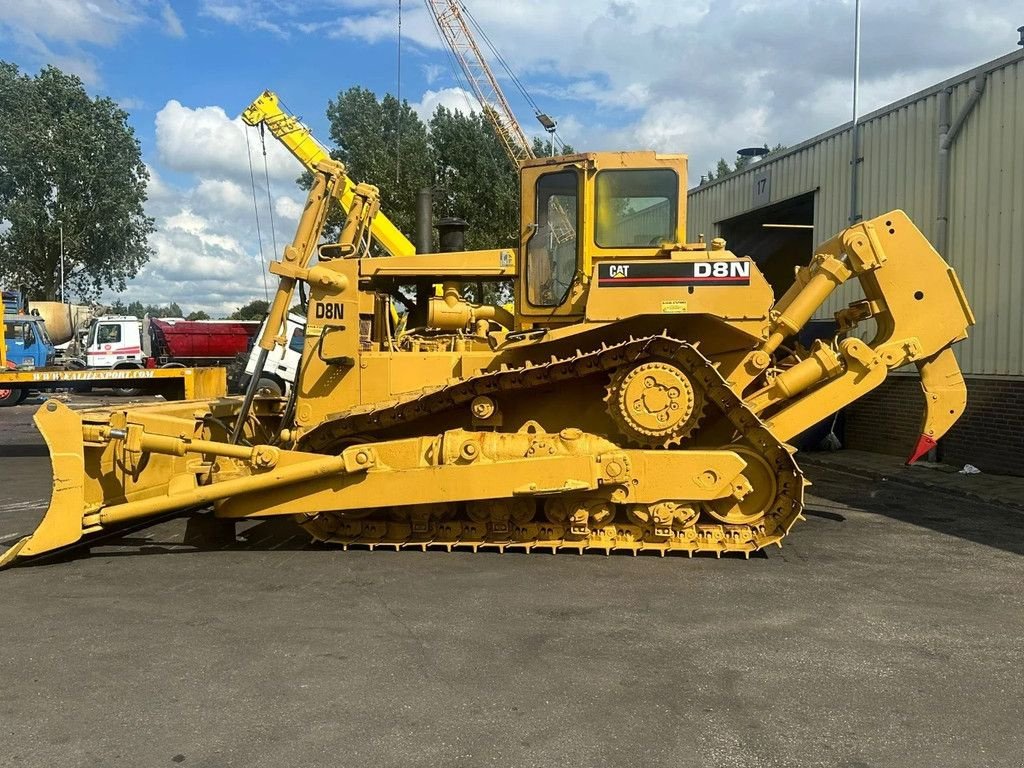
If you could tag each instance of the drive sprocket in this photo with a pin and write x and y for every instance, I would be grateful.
(654, 403)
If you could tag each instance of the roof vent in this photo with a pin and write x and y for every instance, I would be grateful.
(1021, 30)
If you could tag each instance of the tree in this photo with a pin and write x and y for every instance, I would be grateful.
(68, 161)
(254, 310)
(171, 310)
(383, 143)
(542, 148)
(474, 179)
(197, 315)
(460, 157)
(140, 310)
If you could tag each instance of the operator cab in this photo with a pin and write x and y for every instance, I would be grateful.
(579, 210)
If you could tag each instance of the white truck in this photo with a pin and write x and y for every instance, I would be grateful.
(282, 364)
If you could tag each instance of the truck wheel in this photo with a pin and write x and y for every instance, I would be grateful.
(11, 397)
(268, 387)
(127, 391)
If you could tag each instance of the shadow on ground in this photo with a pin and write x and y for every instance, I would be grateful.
(977, 521)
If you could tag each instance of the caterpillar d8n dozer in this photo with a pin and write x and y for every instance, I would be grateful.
(638, 396)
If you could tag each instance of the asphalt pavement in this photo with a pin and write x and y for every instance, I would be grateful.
(886, 632)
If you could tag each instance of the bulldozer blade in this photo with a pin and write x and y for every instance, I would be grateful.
(62, 525)
(945, 398)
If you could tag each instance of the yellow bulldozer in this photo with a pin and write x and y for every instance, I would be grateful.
(639, 395)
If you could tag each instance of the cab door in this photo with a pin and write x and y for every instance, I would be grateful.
(550, 289)
(35, 349)
(14, 334)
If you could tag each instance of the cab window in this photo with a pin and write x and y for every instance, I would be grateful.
(298, 340)
(551, 251)
(14, 332)
(109, 333)
(636, 208)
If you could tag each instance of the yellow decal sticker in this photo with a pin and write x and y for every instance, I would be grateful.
(673, 307)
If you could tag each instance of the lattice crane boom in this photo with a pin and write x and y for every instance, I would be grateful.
(450, 16)
(451, 21)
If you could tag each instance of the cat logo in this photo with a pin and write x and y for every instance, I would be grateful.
(618, 270)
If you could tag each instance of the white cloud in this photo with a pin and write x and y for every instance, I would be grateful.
(431, 72)
(70, 21)
(248, 13)
(207, 249)
(453, 99)
(746, 71)
(207, 254)
(226, 195)
(288, 208)
(205, 140)
(55, 31)
(172, 24)
(128, 103)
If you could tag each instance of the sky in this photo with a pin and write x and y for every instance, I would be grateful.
(701, 77)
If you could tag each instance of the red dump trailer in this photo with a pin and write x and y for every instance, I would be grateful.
(199, 342)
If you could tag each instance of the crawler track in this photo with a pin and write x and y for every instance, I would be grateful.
(778, 482)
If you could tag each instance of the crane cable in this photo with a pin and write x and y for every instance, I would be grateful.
(464, 85)
(256, 210)
(398, 125)
(508, 69)
(270, 204)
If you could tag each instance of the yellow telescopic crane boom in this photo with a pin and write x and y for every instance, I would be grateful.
(299, 140)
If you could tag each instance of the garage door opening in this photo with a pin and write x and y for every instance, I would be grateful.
(778, 237)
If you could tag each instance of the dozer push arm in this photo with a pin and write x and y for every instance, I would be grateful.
(919, 310)
(297, 138)
(294, 264)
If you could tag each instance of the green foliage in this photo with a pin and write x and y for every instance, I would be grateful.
(542, 148)
(473, 179)
(68, 158)
(382, 143)
(140, 310)
(254, 310)
(460, 157)
(198, 315)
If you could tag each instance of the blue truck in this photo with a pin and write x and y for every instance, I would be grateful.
(25, 344)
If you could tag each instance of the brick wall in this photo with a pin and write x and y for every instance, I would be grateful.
(990, 434)
(888, 420)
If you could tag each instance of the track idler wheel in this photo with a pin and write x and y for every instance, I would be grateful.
(753, 492)
(654, 404)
